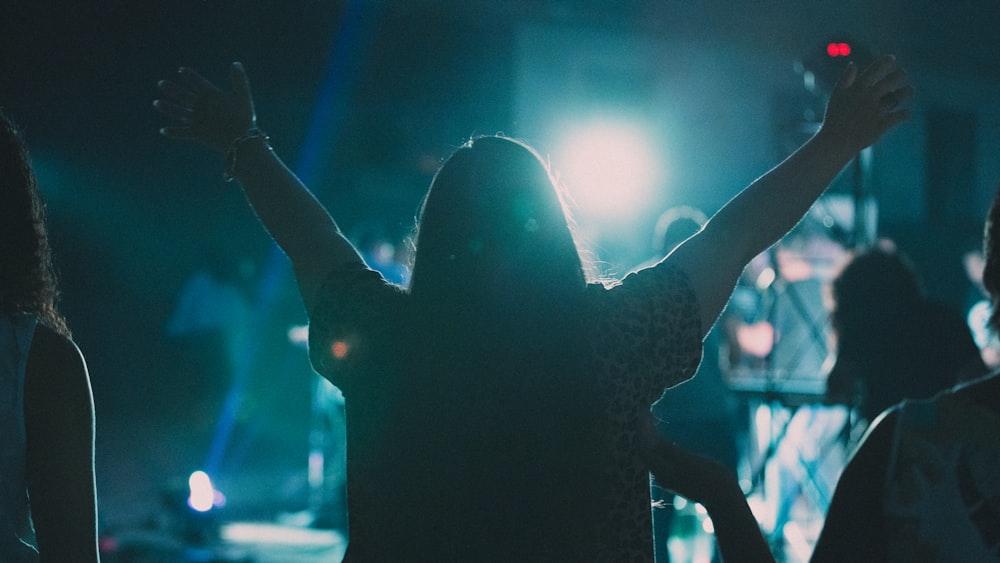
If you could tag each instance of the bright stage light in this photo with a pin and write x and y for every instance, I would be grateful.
(608, 166)
(202, 496)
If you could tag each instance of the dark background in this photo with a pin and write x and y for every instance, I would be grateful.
(132, 213)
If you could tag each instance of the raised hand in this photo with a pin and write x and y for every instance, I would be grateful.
(225, 121)
(205, 113)
(866, 104)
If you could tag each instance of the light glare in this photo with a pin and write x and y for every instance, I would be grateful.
(609, 167)
(202, 495)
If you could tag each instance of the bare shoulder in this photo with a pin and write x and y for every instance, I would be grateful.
(54, 356)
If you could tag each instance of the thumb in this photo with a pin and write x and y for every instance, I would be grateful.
(239, 81)
(847, 77)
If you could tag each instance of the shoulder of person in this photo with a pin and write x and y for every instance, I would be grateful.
(873, 449)
(53, 352)
(985, 391)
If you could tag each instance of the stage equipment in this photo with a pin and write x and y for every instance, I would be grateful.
(826, 61)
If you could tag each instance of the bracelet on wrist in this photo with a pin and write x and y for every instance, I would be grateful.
(234, 148)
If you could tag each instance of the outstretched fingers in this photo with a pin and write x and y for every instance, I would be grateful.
(866, 103)
(890, 83)
(886, 83)
(179, 132)
(892, 90)
(904, 94)
(198, 83)
(847, 78)
(176, 93)
(894, 117)
(876, 71)
(176, 102)
(201, 111)
(172, 110)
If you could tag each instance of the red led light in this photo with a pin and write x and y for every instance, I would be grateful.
(838, 49)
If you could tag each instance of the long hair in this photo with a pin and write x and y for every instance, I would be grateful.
(497, 282)
(27, 275)
(497, 337)
(991, 253)
(493, 225)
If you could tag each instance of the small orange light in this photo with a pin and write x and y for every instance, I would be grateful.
(339, 349)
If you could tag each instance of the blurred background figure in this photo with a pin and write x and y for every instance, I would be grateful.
(923, 483)
(48, 499)
(207, 331)
(979, 310)
(892, 342)
(884, 341)
(673, 227)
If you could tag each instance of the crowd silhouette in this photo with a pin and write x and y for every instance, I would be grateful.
(500, 402)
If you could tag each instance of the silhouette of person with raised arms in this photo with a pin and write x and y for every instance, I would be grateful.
(494, 407)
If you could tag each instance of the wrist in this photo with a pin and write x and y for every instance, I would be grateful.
(253, 135)
(835, 144)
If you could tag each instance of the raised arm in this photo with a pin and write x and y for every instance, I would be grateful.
(862, 107)
(226, 121)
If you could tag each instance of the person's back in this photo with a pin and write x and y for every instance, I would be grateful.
(462, 392)
(942, 497)
(500, 434)
(16, 533)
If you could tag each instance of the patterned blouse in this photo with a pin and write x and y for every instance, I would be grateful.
(526, 456)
